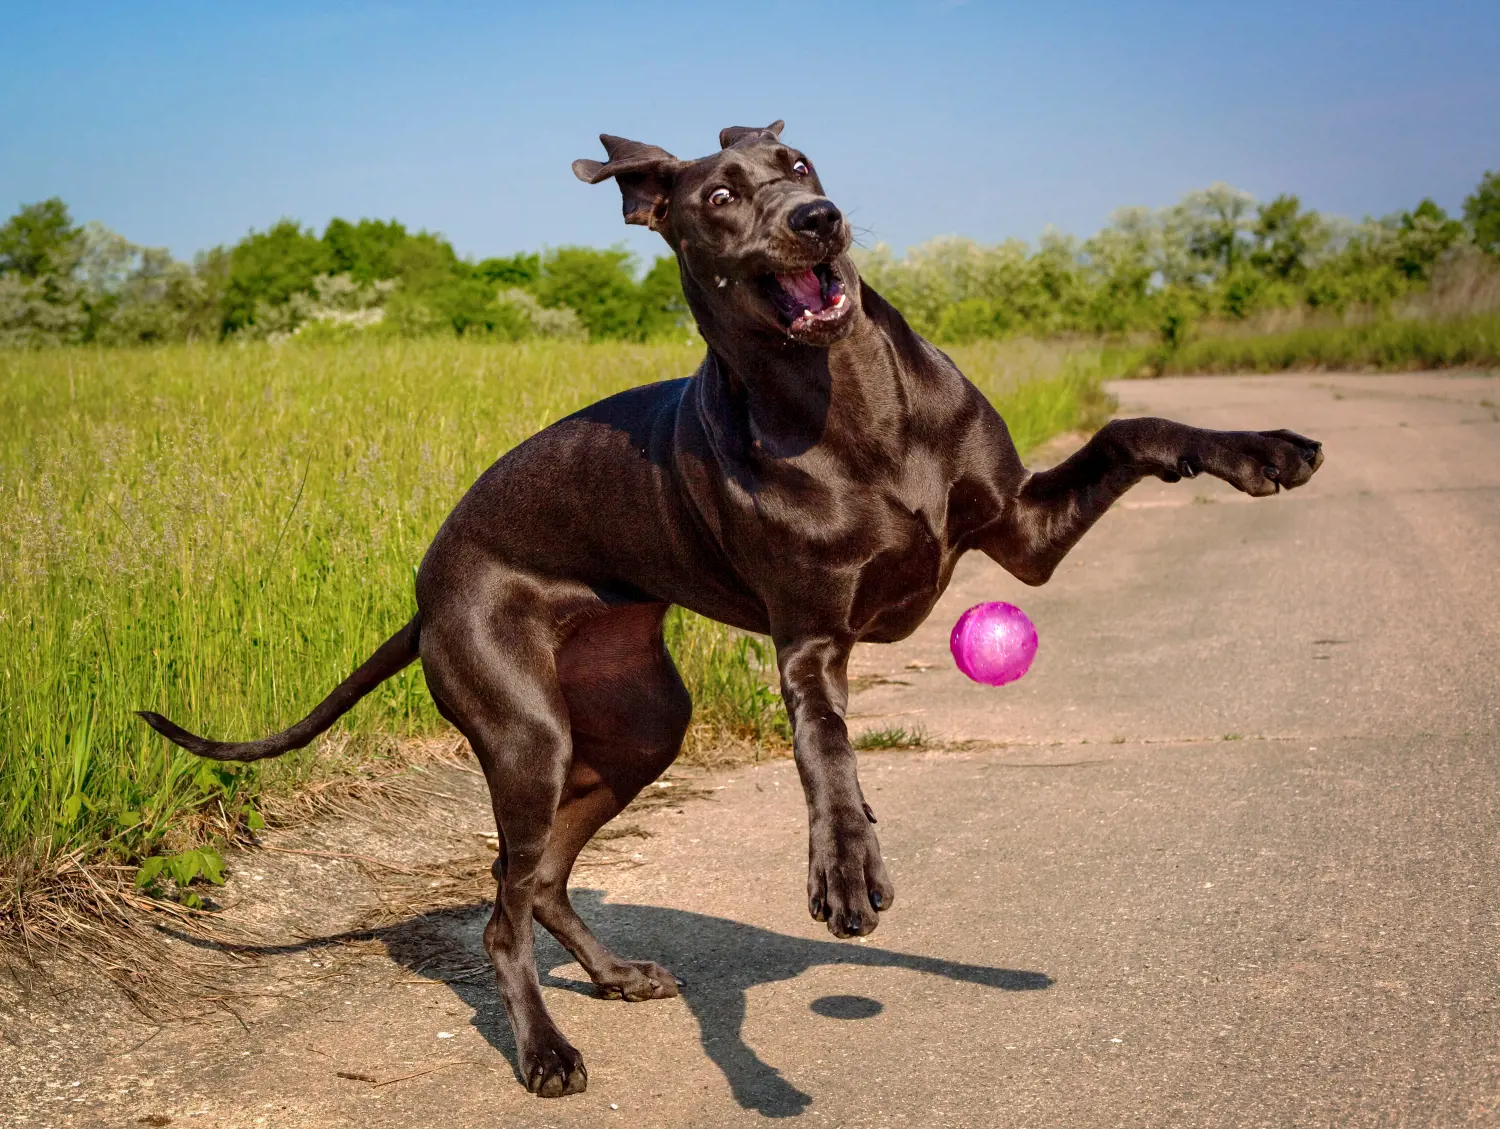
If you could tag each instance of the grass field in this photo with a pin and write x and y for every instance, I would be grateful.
(1387, 344)
(221, 533)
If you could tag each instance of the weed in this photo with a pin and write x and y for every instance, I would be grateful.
(183, 868)
(894, 737)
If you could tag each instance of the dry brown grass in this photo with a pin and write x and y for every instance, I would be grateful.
(72, 913)
(75, 911)
(1465, 284)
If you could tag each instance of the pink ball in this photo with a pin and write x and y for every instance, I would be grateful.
(993, 643)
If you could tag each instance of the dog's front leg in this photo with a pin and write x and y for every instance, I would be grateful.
(846, 881)
(1054, 508)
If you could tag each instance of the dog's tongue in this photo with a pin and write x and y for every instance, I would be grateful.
(804, 288)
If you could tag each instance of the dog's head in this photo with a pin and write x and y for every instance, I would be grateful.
(756, 239)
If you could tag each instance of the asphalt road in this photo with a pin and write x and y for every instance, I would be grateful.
(1229, 855)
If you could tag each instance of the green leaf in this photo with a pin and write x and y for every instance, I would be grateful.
(184, 866)
(211, 864)
(148, 871)
(253, 820)
(212, 779)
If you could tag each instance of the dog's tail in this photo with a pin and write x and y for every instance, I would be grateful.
(395, 654)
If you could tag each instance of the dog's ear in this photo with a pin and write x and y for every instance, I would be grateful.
(643, 172)
(734, 133)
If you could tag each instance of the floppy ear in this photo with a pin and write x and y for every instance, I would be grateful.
(643, 172)
(734, 133)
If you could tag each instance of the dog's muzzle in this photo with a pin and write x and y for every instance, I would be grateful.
(810, 302)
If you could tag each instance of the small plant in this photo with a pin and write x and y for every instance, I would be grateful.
(183, 868)
(894, 737)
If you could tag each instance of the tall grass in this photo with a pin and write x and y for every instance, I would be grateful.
(1388, 344)
(222, 533)
(1043, 388)
(1454, 322)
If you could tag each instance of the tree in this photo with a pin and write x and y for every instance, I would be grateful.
(365, 251)
(41, 301)
(40, 241)
(1286, 238)
(1121, 263)
(664, 309)
(1425, 233)
(520, 271)
(1213, 221)
(599, 285)
(267, 268)
(149, 305)
(1482, 213)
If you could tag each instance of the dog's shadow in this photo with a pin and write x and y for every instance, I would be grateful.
(720, 960)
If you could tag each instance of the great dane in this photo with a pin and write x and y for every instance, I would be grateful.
(816, 480)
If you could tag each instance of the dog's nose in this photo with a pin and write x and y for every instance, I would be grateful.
(817, 218)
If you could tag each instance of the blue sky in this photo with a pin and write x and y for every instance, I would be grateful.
(185, 125)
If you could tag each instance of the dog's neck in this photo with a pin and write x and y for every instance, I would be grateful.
(781, 397)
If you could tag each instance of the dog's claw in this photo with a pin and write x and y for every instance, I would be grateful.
(557, 1071)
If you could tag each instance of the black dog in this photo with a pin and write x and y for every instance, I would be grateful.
(816, 480)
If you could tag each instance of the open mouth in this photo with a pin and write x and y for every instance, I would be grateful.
(808, 300)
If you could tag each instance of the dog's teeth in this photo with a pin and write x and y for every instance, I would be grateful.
(807, 313)
(839, 301)
(723, 282)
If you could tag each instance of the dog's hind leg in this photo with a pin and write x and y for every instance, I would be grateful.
(629, 710)
(591, 805)
(499, 686)
(1056, 507)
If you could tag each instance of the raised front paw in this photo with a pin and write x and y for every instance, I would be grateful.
(847, 885)
(1258, 462)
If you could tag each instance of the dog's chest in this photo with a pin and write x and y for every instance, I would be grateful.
(852, 550)
(897, 585)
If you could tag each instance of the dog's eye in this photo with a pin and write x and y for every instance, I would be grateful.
(801, 168)
(720, 196)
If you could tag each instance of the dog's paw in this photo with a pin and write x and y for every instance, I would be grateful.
(1258, 462)
(637, 980)
(847, 885)
(552, 1067)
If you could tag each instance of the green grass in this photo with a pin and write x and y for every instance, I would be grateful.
(895, 737)
(221, 533)
(1389, 344)
(1044, 388)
